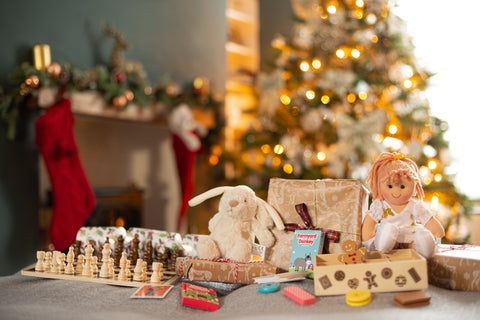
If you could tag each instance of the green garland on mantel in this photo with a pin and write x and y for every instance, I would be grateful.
(118, 90)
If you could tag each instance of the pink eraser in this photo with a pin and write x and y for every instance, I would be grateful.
(299, 295)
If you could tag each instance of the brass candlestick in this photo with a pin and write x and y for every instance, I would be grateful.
(41, 56)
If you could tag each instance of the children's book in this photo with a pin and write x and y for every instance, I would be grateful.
(306, 245)
(199, 297)
(152, 291)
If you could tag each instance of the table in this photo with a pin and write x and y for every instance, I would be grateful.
(23, 297)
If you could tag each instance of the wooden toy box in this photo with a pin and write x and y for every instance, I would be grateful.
(399, 270)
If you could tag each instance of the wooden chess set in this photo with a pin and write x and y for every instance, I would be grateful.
(121, 269)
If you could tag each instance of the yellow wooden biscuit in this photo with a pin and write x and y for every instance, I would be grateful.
(357, 298)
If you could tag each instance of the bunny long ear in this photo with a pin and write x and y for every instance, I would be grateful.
(273, 214)
(207, 195)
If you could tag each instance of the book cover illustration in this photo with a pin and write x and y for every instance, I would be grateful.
(306, 245)
(152, 291)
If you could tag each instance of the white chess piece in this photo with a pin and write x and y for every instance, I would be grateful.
(69, 269)
(55, 262)
(79, 268)
(87, 268)
(48, 261)
(104, 270)
(138, 271)
(144, 270)
(122, 274)
(157, 274)
(94, 265)
(111, 270)
(61, 262)
(127, 269)
(40, 266)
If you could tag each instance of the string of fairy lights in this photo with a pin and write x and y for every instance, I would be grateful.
(298, 88)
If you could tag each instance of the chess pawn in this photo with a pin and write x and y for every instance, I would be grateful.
(87, 267)
(61, 262)
(48, 261)
(144, 270)
(138, 271)
(94, 265)
(70, 259)
(127, 269)
(122, 274)
(157, 274)
(111, 269)
(40, 266)
(79, 269)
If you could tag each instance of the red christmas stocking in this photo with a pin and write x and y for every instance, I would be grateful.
(185, 167)
(73, 198)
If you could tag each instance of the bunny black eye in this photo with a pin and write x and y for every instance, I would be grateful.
(390, 186)
(402, 186)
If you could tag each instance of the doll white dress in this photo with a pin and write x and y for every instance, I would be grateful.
(400, 227)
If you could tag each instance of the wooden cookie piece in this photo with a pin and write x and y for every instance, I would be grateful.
(411, 299)
(358, 298)
(299, 295)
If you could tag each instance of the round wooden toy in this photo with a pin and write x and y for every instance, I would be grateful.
(269, 287)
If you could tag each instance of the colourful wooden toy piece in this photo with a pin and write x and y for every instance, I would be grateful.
(299, 295)
(411, 299)
(269, 287)
(358, 298)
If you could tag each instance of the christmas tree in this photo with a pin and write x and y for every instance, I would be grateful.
(343, 87)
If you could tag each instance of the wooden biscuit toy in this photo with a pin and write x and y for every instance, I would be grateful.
(411, 299)
(269, 287)
(357, 298)
(299, 295)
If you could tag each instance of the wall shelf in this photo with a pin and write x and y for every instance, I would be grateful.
(91, 103)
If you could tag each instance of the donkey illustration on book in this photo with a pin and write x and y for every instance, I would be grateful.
(302, 263)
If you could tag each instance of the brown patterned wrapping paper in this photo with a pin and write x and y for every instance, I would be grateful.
(226, 272)
(336, 204)
(455, 267)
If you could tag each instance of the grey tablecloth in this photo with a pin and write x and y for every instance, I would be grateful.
(23, 297)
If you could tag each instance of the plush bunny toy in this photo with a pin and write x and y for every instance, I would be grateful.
(241, 216)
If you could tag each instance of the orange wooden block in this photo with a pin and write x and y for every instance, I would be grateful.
(299, 295)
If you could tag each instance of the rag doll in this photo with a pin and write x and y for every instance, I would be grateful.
(395, 219)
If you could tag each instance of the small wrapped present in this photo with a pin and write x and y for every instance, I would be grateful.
(334, 206)
(161, 240)
(222, 270)
(189, 243)
(455, 267)
(99, 235)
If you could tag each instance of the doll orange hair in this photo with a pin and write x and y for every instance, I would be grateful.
(393, 166)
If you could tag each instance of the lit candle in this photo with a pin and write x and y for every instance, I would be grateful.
(41, 56)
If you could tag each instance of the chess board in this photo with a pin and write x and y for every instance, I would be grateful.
(169, 277)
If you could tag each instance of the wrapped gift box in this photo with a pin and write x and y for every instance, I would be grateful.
(222, 271)
(161, 240)
(336, 205)
(455, 267)
(99, 235)
(190, 242)
(399, 270)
